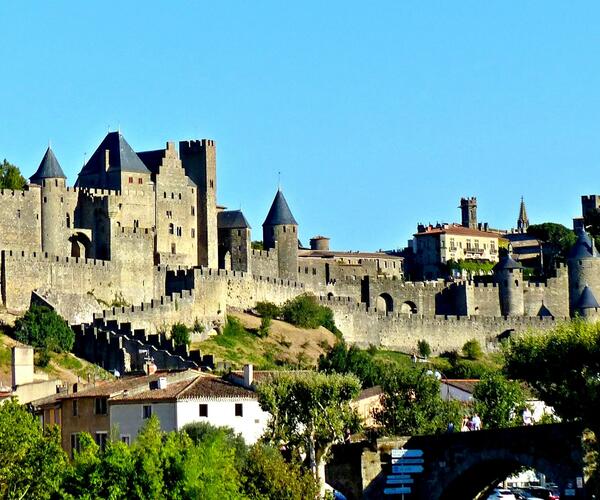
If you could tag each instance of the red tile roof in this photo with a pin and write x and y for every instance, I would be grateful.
(457, 230)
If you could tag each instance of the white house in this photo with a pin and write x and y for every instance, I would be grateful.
(204, 398)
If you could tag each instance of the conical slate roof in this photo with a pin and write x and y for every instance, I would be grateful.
(587, 299)
(523, 212)
(49, 168)
(232, 219)
(280, 212)
(507, 262)
(584, 247)
(120, 157)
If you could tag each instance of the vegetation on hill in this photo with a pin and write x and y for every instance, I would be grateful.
(193, 463)
(10, 176)
(283, 345)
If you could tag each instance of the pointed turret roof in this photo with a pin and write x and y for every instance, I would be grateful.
(584, 247)
(507, 262)
(587, 299)
(120, 157)
(49, 168)
(280, 212)
(232, 219)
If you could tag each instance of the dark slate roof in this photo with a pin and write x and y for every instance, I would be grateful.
(584, 247)
(507, 262)
(232, 219)
(152, 159)
(280, 212)
(49, 168)
(587, 299)
(121, 156)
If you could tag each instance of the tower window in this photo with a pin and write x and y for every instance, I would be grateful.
(68, 220)
(173, 248)
(284, 229)
(193, 233)
(131, 180)
(212, 184)
(171, 228)
(180, 196)
(193, 210)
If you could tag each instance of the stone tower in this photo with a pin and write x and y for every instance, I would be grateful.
(587, 306)
(584, 270)
(52, 180)
(522, 221)
(468, 211)
(199, 159)
(509, 276)
(280, 231)
(234, 241)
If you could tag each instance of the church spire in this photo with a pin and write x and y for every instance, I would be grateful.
(523, 221)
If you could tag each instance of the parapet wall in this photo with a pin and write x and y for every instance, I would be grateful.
(264, 262)
(20, 224)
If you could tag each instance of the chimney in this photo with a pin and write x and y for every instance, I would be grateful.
(248, 376)
(162, 382)
(149, 368)
(22, 365)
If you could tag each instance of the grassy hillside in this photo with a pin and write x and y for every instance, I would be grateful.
(286, 345)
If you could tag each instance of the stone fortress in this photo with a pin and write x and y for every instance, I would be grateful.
(140, 243)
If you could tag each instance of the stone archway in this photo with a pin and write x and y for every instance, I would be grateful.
(408, 307)
(385, 303)
(80, 245)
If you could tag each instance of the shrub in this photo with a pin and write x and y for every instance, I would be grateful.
(180, 334)
(267, 310)
(198, 327)
(472, 349)
(44, 329)
(306, 312)
(451, 356)
(233, 327)
(424, 348)
(263, 329)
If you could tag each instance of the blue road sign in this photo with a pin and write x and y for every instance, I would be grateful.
(402, 453)
(400, 481)
(408, 461)
(396, 491)
(406, 469)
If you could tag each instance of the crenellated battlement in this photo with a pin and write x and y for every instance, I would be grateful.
(20, 193)
(23, 256)
(195, 145)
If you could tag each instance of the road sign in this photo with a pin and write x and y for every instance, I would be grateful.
(406, 469)
(407, 461)
(396, 491)
(399, 481)
(398, 476)
(402, 453)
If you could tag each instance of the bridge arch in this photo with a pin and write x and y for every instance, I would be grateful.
(385, 303)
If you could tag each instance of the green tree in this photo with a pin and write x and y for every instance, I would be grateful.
(498, 401)
(203, 432)
(267, 476)
(180, 334)
(10, 176)
(310, 413)
(412, 403)
(32, 462)
(472, 349)
(341, 359)
(265, 326)
(424, 348)
(306, 312)
(557, 238)
(267, 310)
(44, 329)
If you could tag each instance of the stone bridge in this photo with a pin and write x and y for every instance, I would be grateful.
(467, 465)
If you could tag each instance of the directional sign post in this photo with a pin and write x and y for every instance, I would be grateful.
(404, 463)
(407, 469)
(402, 453)
(407, 461)
(401, 490)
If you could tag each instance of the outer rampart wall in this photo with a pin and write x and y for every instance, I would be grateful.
(20, 224)
(264, 263)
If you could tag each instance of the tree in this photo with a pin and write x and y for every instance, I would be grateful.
(267, 309)
(557, 238)
(412, 403)
(310, 413)
(267, 476)
(180, 334)
(563, 367)
(424, 348)
(341, 359)
(498, 401)
(10, 176)
(306, 312)
(472, 349)
(32, 462)
(44, 329)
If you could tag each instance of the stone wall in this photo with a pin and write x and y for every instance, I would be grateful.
(20, 224)
(264, 263)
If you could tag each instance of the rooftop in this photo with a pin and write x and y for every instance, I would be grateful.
(279, 212)
(49, 168)
(456, 229)
(232, 219)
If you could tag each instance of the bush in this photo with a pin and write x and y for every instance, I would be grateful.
(180, 334)
(306, 312)
(263, 329)
(424, 348)
(233, 327)
(198, 327)
(472, 349)
(44, 329)
(267, 310)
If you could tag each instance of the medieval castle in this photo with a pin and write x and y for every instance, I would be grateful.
(140, 242)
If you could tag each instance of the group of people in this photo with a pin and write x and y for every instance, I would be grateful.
(470, 423)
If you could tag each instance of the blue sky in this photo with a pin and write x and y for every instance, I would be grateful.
(379, 115)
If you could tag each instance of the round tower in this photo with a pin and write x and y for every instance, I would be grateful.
(280, 232)
(509, 276)
(52, 180)
(583, 264)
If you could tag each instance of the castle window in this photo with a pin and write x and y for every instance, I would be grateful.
(294, 229)
(45, 199)
(193, 233)
(136, 223)
(212, 184)
(169, 214)
(165, 194)
(180, 196)
(62, 199)
(56, 182)
(239, 232)
(284, 229)
(140, 181)
(68, 220)
(18, 214)
(171, 229)
(131, 180)
(173, 248)
(193, 210)
(172, 196)
(178, 231)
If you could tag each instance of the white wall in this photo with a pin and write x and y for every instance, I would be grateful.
(221, 413)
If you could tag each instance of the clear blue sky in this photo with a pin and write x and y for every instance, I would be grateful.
(378, 114)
